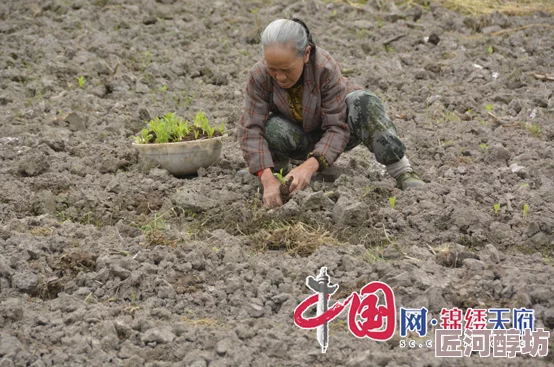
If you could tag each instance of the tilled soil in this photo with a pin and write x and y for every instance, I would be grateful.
(107, 260)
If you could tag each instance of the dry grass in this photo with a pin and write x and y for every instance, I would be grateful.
(509, 7)
(206, 322)
(42, 231)
(296, 239)
(49, 288)
(76, 261)
(477, 7)
(159, 238)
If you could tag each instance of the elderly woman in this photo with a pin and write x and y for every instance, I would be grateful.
(299, 106)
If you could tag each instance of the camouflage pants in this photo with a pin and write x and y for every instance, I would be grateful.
(368, 122)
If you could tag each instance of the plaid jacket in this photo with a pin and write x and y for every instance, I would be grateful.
(323, 107)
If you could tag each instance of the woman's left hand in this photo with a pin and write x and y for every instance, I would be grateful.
(302, 175)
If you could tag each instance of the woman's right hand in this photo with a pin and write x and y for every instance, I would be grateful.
(272, 195)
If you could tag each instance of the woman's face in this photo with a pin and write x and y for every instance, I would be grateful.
(283, 65)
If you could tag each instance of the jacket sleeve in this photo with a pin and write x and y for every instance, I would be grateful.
(251, 128)
(333, 113)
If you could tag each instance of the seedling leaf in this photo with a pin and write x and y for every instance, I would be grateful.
(392, 201)
(280, 176)
(525, 210)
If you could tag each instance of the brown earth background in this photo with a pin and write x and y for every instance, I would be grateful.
(107, 260)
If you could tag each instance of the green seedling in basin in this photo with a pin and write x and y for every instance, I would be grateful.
(222, 128)
(496, 208)
(81, 81)
(168, 128)
(171, 128)
(201, 121)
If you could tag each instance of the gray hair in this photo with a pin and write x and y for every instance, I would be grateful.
(286, 32)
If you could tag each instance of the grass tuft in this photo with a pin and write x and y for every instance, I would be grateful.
(297, 239)
(509, 7)
(482, 7)
(205, 322)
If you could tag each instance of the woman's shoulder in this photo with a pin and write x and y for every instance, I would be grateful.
(259, 78)
(327, 68)
(323, 66)
(324, 59)
(259, 69)
(259, 74)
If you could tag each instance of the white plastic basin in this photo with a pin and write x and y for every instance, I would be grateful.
(183, 158)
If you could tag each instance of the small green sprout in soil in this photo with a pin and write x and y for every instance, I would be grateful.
(488, 107)
(392, 201)
(533, 129)
(81, 81)
(363, 33)
(525, 210)
(490, 49)
(171, 128)
(452, 117)
(182, 98)
(374, 254)
(496, 208)
(145, 61)
(63, 217)
(485, 148)
(257, 20)
(188, 100)
(154, 231)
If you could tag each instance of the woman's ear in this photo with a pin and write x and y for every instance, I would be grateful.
(307, 54)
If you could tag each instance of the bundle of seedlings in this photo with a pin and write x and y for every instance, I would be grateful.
(171, 129)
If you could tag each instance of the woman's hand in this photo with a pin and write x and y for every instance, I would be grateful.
(302, 175)
(272, 195)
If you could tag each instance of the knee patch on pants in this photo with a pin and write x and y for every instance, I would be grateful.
(281, 134)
